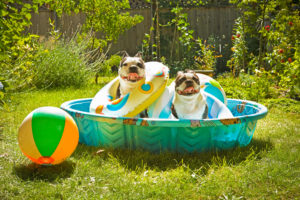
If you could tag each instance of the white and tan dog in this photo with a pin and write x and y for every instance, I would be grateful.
(131, 72)
(189, 102)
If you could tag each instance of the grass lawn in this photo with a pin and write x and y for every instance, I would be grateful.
(268, 168)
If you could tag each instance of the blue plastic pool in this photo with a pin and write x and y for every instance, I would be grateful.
(158, 135)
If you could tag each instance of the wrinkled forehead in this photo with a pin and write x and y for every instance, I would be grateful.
(131, 60)
(181, 78)
(189, 75)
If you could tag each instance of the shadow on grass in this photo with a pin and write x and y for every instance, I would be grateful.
(136, 160)
(45, 173)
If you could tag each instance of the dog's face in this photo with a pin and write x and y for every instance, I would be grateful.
(132, 69)
(187, 84)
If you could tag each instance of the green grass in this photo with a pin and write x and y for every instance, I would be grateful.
(268, 168)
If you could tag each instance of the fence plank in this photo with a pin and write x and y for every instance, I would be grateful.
(216, 21)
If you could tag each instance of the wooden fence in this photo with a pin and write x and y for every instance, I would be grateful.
(206, 21)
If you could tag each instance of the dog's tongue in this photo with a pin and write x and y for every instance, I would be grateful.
(133, 76)
(189, 90)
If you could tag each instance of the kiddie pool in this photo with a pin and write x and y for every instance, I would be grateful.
(157, 135)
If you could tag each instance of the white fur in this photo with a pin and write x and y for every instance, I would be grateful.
(130, 61)
(189, 107)
(127, 86)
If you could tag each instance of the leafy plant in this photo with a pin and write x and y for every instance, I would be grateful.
(110, 66)
(105, 19)
(62, 66)
(285, 104)
(266, 38)
(206, 58)
(193, 53)
(16, 44)
(240, 55)
(249, 87)
(14, 19)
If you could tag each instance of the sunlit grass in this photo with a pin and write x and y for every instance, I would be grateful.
(268, 168)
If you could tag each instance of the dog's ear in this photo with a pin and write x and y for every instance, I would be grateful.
(179, 73)
(139, 55)
(125, 54)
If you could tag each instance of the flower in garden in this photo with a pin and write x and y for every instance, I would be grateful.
(280, 51)
(232, 49)
(238, 35)
(282, 61)
(291, 23)
(267, 28)
(257, 71)
(232, 37)
(290, 60)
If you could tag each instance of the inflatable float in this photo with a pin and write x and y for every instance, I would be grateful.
(108, 122)
(130, 105)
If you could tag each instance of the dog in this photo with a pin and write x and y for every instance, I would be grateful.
(188, 102)
(131, 71)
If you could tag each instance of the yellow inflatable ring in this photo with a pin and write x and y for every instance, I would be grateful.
(133, 103)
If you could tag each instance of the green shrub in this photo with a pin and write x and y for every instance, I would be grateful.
(107, 65)
(266, 38)
(248, 87)
(108, 17)
(287, 105)
(62, 66)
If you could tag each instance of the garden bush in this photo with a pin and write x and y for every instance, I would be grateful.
(108, 17)
(284, 104)
(182, 51)
(266, 38)
(248, 87)
(110, 66)
(63, 65)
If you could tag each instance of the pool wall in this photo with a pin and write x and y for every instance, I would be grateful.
(157, 135)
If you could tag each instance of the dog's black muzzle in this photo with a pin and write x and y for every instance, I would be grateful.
(133, 69)
(189, 83)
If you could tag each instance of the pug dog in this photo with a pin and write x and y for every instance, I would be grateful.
(189, 102)
(131, 72)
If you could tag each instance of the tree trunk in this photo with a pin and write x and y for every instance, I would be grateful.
(155, 39)
(261, 39)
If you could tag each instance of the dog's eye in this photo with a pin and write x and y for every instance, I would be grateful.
(196, 80)
(181, 80)
(140, 65)
(125, 64)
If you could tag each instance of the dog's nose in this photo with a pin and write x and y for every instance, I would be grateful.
(189, 83)
(133, 69)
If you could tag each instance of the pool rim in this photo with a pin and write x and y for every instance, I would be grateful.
(262, 112)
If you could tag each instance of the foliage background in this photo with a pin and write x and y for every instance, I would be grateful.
(265, 48)
(268, 168)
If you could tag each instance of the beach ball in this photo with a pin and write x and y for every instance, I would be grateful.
(48, 136)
